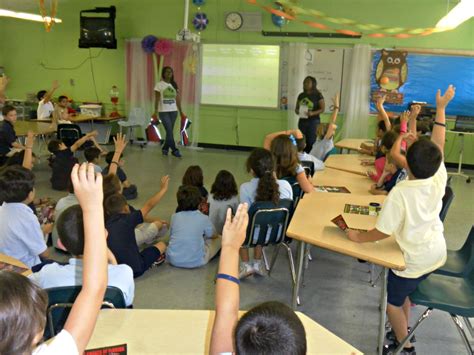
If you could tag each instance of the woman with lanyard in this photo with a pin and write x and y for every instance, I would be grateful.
(309, 105)
(167, 104)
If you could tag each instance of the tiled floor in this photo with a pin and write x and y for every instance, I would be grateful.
(336, 294)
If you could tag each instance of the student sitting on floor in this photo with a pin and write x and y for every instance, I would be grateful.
(21, 235)
(92, 155)
(391, 175)
(121, 223)
(71, 231)
(263, 187)
(129, 190)
(45, 105)
(383, 125)
(303, 156)
(223, 195)
(8, 143)
(282, 145)
(61, 206)
(411, 214)
(193, 176)
(23, 305)
(325, 133)
(269, 328)
(192, 239)
(64, 160)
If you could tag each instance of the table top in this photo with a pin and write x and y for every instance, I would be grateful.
(312, 224)
(356, 184)
(8, 259)
(352, 143)
(349, 162)
(86, 118)
(22, 127)
(152, 331)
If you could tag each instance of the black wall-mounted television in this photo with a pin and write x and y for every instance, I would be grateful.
(98, 28)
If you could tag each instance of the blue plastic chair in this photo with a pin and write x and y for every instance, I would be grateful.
(447, 200)
(460, 262)
(308, 167)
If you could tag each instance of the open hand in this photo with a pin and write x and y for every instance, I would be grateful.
(30, 139)
(120, 142)
(233, 234)
(443, 100)
(335, 100)
(164, 182)
(55, 84)
(381, 100)
(404, 116)
(415, 110)
(87, 186)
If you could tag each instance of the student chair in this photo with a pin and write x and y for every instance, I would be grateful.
(454, 295)
(69, 133)
(460, 262)
(137, 118)
(297, 191)
(447, 200)
(308, 168)
(61, 299)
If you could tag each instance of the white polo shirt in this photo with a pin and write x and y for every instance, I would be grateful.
(45, 109)
(411, 214)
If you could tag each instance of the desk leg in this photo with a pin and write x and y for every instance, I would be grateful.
(383, 310)
(299, 273)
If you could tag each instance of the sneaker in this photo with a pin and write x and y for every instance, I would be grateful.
(164, 152)
(176, 153)
(160, 260)
(391, 336)
(259, 268)
(245, 270)
(390, 349)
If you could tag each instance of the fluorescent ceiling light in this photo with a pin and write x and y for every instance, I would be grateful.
(27, 16)
(458, 14)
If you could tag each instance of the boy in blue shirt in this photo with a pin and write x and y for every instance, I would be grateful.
(191, 233)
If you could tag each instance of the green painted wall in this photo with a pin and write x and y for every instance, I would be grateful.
(33, 58)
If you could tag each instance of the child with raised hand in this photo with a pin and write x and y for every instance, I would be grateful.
(411, 214)
(45, 105)
(271, 327)
(391, 175)
(223, 195)
(282, 145)
(23, 305)
(325, 133)
(383, 125)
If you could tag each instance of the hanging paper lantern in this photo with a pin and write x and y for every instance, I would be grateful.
(163, 46)
(199, 2)
(148, 43)
(200, 21)
(278, 20)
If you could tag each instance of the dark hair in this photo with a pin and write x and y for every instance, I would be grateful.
(300, 144)
(111, 185)
(114, 204)
(16, 182)
(41, 94)
(224, 186)
(70, 226)
(110, 156)
(53, 145)
(22, 311)
(285, 156)
(261, 163)
(424, 158)
(7, 109)
(172, 82)
(189, 198)
(314, 84)
(17, 158)
(388, 139)
(423, 127)
(193, 176)
(91, 153)
(62, 97)
(381, 126)
(270, 328)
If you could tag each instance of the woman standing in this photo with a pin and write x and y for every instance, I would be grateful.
(309, 105)
(167, 104)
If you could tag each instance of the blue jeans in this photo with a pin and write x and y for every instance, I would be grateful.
(168, 119)
(308, 127)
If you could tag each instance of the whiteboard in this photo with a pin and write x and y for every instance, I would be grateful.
(240, 75)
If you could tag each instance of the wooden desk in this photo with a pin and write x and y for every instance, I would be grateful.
(8, 259)
(152, 331)
(356, 184)
(321, 232)
(349, 162)
(352, 143)
(100, 124)
(22, 128)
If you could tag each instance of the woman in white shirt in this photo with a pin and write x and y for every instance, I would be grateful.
(167, 104)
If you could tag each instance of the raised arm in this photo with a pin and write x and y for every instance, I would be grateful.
(50, 93)
(3, 86)
(439, 129)
(227, 284)
(28, 156)
(153, 201)
(120, 142)
(396, 154)
(77, 144)
(332, 123)
(270, 137)
(88, 190)
(414, 112)
(383, 113)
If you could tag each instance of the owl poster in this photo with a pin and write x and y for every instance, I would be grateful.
(390, 74)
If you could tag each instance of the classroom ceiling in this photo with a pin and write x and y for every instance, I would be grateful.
(24, 5)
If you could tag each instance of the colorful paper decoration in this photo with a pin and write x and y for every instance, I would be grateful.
(162, 47)
(199, 2)
(48, 19)
(148, 43)
(290, 10)
(200, 21)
